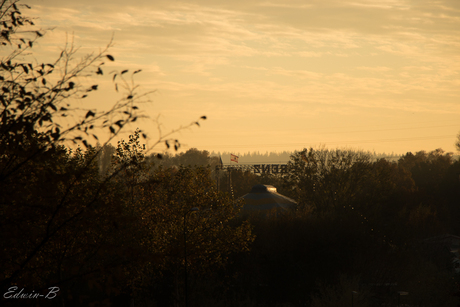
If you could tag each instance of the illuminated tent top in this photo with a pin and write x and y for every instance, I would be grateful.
(265, 197)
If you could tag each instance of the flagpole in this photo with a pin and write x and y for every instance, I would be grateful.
(218, 168)
(233, 158)
(230, 175)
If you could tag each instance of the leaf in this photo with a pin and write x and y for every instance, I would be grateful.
(53, 107)
(203, 117)
(56, 135)
(84, 96)
(167, 144)
(95, 136)
(134, 119)
(94, 87)
(44, 81)
(119, 123)
(198, 124)
(110, 57)
(99, 71)
(135, 108)
(114, 76)
(30, 44)
(24, 67)
(130, 97)
(160, 156)
(85, 143)
(139, 70)
(112, 130)
(144, 135)
(71, 85)
(39, 34)
(90, 113)
(124, 71)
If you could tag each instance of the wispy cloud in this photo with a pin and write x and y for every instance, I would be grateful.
(290, 58)
(376, 69)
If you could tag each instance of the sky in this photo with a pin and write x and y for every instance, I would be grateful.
(276, 75)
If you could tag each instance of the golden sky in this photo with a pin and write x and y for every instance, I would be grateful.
(279, 75)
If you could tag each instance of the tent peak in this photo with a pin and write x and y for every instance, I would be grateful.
(263, 188)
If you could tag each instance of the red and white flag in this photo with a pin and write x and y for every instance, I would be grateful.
(233, 158)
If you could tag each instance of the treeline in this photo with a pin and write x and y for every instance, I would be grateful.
(371, 226)
(285, 156)
(192, 157)
(112, 238)
(363, 229)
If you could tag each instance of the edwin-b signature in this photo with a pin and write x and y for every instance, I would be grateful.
(13, 293)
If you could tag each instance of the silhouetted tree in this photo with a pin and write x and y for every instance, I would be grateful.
(159, 201)
(322, 179)
(106, 153)
(57, 222)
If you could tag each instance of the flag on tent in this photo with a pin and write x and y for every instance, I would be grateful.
(233, 158)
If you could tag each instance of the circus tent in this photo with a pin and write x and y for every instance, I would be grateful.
(265, 197)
